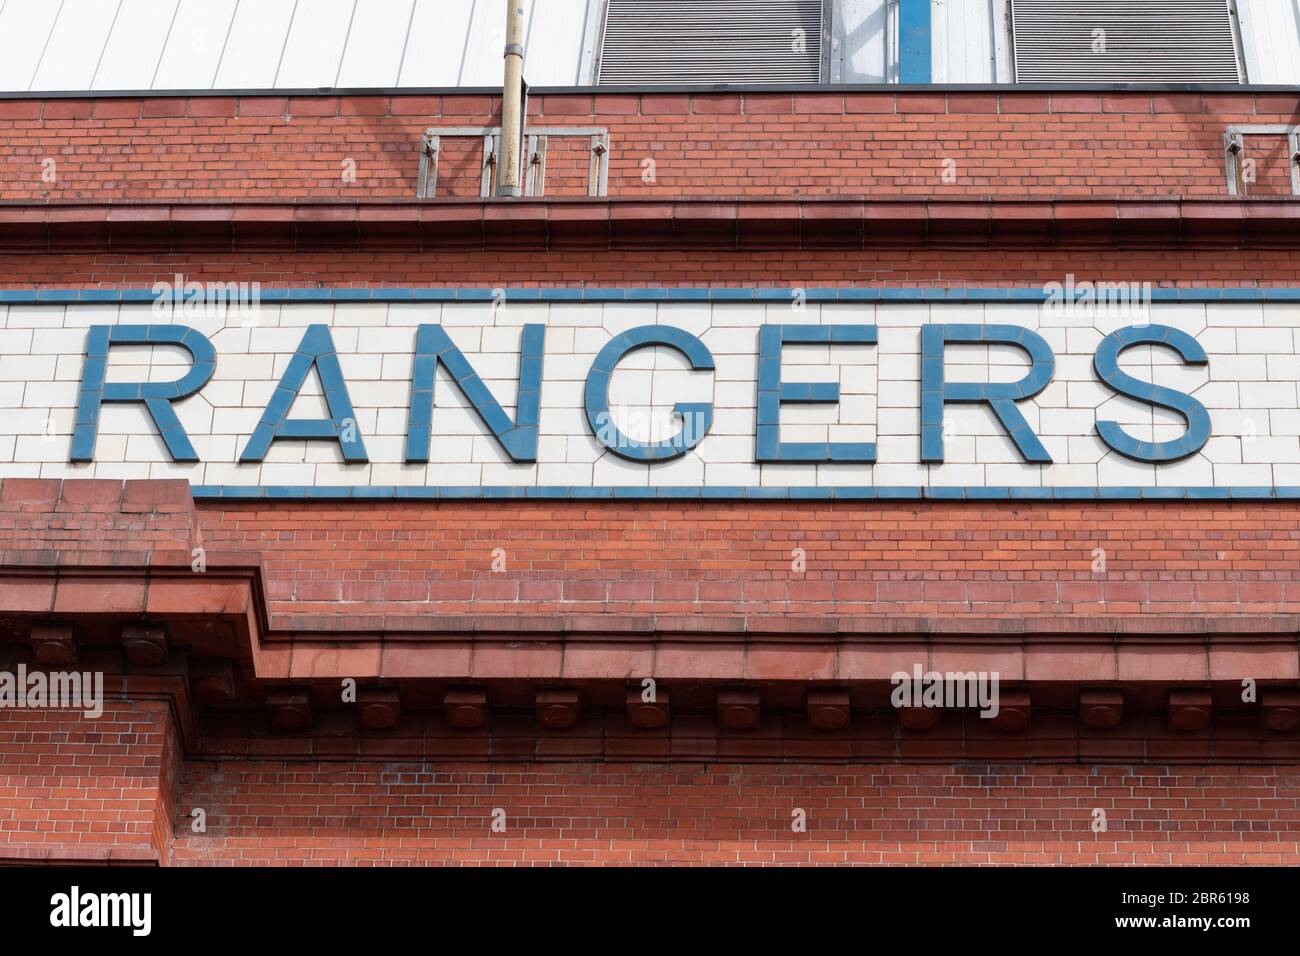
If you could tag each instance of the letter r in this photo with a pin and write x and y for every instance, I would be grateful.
(999, 396)
(156, 396)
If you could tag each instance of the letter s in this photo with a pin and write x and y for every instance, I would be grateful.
(1106, 362)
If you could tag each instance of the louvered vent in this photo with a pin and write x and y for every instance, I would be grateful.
(1140, 41)
(683, 42)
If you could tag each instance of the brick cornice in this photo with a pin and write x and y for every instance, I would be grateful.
(37, 583)
(627, 224)
(218, 618)
(75, 854)
(90, 569)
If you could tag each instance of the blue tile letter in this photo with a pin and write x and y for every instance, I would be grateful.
(519, 437)
(773, 393)
(1000, 396)
(315, 350)
(697, 417)
(156, 396)
(1106, 362)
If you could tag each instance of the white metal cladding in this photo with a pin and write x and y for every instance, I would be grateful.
(862, 45)
(962, 41)
(1159, 41)
(1270, 39)
(711, 41)
(103, 45)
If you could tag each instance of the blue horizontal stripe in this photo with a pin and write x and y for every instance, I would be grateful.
(759, 493)
(651, 294)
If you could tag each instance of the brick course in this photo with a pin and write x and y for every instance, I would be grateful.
(1012, 144)
(292, 813)
(925, 268)
(114, 791)
(85, 521)
(711, 558)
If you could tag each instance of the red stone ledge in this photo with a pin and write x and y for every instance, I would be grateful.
(215, 622)
(764, 647)
(38, 854)
(628, 224)
(621, 103)
(777, 626)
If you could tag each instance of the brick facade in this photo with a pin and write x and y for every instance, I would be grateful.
(709, 145)
(403, 814)
(1011, 590)
(242, 716)
(76, 790)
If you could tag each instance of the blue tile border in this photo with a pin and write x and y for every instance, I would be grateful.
(748, 493)
(648, 295)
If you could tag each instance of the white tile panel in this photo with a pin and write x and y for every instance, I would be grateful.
(135, 45)
(194, 45)
(1254, 405)
(25, 27)
(373, 56)
(76, 44)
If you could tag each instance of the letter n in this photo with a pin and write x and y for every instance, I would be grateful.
(518, 438)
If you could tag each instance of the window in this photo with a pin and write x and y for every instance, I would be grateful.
(698, 42)
(1114, 41)
(701, 43)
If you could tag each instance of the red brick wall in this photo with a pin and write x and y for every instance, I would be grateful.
(883, 144)
(719, 558)
(74, 789)
(48, 521)
(115, 790)
(301, 813)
